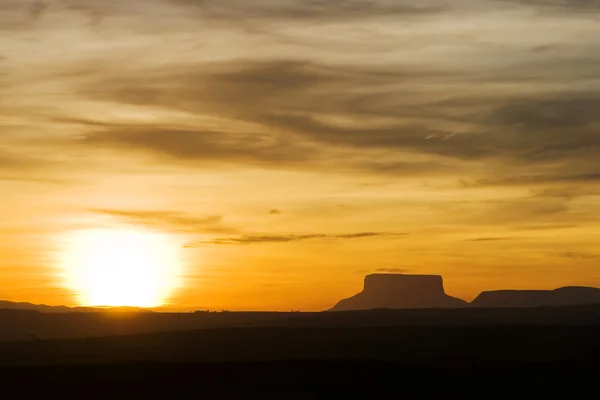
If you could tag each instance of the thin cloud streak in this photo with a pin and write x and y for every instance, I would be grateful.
(263, 239)
(171, 220)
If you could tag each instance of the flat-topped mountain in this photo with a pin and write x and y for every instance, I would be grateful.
(566, 296)
(400, 291)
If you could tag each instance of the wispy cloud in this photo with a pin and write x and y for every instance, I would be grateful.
(263, 239)
(167, 219)
(580, 255)
(393, 270)
(543, 227)
(290, 105)
(489, 239)
(307, 10)
(411, 111)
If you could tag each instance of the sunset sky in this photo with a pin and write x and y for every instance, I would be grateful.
(287, 148)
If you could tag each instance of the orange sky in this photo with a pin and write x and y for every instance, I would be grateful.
(290, 148)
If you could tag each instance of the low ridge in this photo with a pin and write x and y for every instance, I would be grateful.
(566, 296)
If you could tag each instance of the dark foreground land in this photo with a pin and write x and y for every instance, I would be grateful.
(312, 357)
(323, 379)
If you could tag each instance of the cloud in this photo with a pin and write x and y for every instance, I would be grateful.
(488, 239)
(393, 270)
(314, 10)
(302, 113)
(263, 239)
(363, 235)
(166, 219)
(533, 180)
(580, 255)
(567, 193)
(38, 180)
(515, 213)
(202, 146)
(493, 111)
(307, 10)
(562, 5)
(274, 211)
(23, 166)
(542, 227)
(552, 113)
(7, 160)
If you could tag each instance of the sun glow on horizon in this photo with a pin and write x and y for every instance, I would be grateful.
(120, 267)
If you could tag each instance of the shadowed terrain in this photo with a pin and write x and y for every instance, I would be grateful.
(28, 325)
(297, 379)
(408, 344)
(309, 362)
(435, 345)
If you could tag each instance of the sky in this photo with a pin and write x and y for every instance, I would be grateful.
(291, 147)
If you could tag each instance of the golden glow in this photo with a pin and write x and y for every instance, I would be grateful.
(469, 130)
(116, 267)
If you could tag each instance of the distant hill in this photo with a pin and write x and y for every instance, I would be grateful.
(566, 296)
(400, 291)
(9, 305)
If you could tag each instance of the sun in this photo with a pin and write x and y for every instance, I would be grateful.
(120, 267)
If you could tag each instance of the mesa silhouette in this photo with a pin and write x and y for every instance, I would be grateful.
(401, 291)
